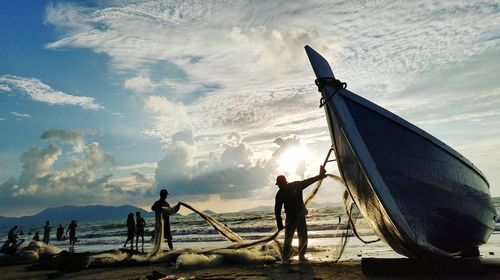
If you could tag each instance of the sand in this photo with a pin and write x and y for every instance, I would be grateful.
(351, 269)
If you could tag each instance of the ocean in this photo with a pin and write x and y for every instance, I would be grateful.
(191, 231)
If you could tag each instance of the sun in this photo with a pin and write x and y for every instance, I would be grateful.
(289, 161)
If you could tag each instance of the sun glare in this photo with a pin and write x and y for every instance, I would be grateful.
(290, 160)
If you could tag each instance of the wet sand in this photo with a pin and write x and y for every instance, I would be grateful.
(351, 269)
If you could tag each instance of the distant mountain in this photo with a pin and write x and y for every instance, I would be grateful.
(64, 215)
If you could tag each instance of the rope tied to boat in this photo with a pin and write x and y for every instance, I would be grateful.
(322, 82)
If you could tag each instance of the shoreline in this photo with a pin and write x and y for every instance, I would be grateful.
(347, 269)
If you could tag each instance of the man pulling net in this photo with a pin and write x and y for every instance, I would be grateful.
(290, 195)
(163, 211)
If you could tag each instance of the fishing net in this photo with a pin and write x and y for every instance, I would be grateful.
(158, 236)
(342, 231)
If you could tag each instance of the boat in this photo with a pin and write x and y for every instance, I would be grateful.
(420, 196)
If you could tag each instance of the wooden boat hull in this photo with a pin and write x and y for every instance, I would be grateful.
(422, 197)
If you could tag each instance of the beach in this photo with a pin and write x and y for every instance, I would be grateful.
(198, 254)
(350, 269)
(358, 262)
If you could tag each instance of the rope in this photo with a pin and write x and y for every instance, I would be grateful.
(322, 82)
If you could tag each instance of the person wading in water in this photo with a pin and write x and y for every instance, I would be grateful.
(162, 207)
(72, 235)
(46, 233)
(139, 230)
(130, 231)
(290, 195)
(60, 233)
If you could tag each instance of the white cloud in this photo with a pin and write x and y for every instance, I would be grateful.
(169, 117)
(21, 115)
(264, 40)
(131, 167)
(474, 117)
(240, 65)
(83, 179)
(5, 88)
(37, 162)
(233, 173)
(38, 91)
(177, 88)
(162, 106)
(139, 84)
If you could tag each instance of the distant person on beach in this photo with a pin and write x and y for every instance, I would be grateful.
(60, 233)
(12, 236)
(36, 237)
(72, 234)
(46, 233)
(290, 195)
(130, 231)
(11, 245)
(139, 230)
(161, 206)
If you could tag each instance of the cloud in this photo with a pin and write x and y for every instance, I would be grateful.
(243, 63)
(145, 165)
(185, 136)
(140, 177)
(236, 153)
(178, 89)
(83, 179)
(5, 88)
(169, 117)
(232, 174)
(473, 117)
(37, 163)
(262, 41)
(95, 156)
(139, 84)
(213, 67)
(21, 115)
(73, 137)
(36, 90)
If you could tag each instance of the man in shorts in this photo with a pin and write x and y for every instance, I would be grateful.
(140, 223)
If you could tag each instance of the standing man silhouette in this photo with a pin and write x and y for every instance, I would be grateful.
(60, 233)
(72, 235)
(290, 195)
(46, 233)
(130, 231)
(162, 207)
(12, 236)
(140, 223)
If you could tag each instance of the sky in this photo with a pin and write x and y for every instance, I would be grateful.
(106, 102)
